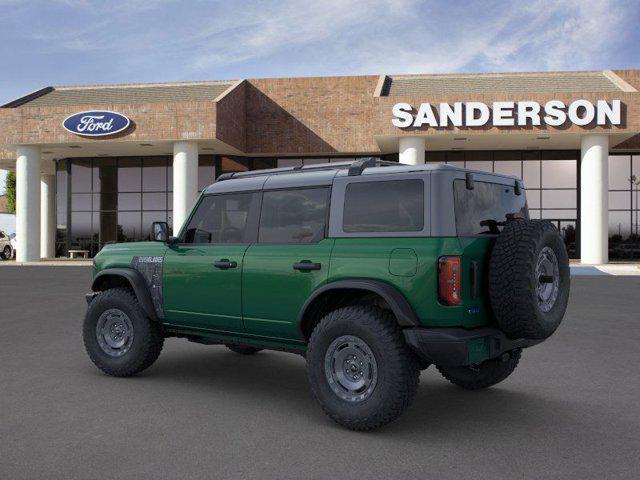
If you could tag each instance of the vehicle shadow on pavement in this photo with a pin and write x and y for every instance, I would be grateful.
(278, 382)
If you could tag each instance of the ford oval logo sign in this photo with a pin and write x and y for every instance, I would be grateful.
(96, 123)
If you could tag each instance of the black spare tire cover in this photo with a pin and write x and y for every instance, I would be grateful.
(529, 279)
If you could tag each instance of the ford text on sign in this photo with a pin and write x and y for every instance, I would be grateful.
(507, 114)
(96, 123)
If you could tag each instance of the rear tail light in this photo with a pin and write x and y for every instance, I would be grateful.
(449, 281)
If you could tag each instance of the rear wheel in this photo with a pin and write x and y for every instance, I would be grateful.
(243, 349)
(6, 253)
(360, 369)
(476, 377)
(118, 336)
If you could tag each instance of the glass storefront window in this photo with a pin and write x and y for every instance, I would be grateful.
(619, 172)
(620, 200)
(624, 207)
(550, 178)
(61, 192)
(509, 167)
(482, 166)
(154, 174)
(531, 173)
(559, 199)
(129, 174)
(154, 201)
(206, 171)
(107, 199)
(115, 198)
(81, 175)
(533, 198)
(129, 201)
(558, 213)
(81, 202)
(559, 173)
(129, 226)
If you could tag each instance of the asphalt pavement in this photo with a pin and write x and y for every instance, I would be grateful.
(571, 409)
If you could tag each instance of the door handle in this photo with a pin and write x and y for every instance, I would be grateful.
(225, 264)
(306, 265)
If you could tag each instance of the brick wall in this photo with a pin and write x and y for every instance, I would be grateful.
(289, 116)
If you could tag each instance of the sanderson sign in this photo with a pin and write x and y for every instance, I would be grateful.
(96, 123)
(507, 114)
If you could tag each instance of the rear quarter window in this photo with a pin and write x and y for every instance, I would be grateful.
(389, 206)
(484, 210)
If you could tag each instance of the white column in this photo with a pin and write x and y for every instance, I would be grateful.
(594, 200)
(47, 215)
(185, 181)
(412, 150)
(28, 203)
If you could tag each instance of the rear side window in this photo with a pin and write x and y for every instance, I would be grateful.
(390, 206)
(293, 216)
(228, 218)
(483, 210)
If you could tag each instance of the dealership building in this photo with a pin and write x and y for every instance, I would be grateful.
(98, 164)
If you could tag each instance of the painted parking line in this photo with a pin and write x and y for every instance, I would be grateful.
(612, 269)
(590, 271)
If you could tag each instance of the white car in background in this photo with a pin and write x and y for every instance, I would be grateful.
(7, 246)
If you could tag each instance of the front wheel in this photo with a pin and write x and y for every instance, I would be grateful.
(361, 372)
(6, 253)
(118, 336)
(488, 373)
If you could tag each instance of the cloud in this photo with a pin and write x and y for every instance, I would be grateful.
(78, 41)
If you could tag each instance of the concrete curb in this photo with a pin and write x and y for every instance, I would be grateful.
(48, 263)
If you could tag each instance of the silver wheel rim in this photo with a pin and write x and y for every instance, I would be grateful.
(6, 253)
(114, 332)
(547, 279)
(351, 368)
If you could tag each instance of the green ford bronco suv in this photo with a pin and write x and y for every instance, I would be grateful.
(371, 270)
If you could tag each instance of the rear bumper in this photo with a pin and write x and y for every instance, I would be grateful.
(459, 347)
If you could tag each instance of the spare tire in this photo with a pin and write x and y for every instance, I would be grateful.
(529, 279)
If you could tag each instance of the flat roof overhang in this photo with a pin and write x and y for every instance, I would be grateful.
(506, 140)
(105, 149)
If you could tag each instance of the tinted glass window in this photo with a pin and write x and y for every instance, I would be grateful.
(294, 216)
(392, 206)
(484, 209)
(223, 219)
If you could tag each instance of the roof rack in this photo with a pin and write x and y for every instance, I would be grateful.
(355, 168)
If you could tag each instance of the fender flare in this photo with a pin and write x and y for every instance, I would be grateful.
(137, 282)
(399, 305)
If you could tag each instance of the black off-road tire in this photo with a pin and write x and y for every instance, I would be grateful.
(513, 283)
(484, 375)
(397, 367)
(7, 253)
(243, 349)
(147, 342)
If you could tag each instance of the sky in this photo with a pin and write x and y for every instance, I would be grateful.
(76, 42)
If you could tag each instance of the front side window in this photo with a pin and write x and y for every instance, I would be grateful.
(294, 216)
(484, 210)
(223, 219)
(390, 206)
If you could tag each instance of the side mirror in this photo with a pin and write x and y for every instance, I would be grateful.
(160, 231)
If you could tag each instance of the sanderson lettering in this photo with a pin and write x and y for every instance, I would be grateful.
(554, 113)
